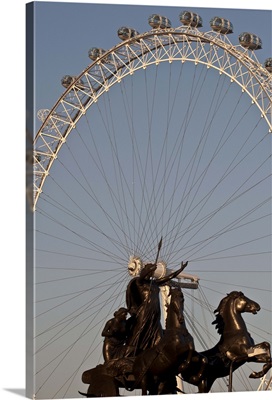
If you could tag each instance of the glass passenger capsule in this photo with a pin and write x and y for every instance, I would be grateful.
(67, 80)
(268, 64)
(250, 41)
(125, 33)
(94, 53)
(191, 19)
(159, 22)
(42, 114)
(221, 25)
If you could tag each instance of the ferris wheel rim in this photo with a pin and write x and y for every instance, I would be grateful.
(259, 78)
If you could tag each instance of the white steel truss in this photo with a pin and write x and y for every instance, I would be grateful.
(156, 46)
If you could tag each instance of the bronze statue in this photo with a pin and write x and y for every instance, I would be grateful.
(115, 333)
(140, 354)
(143, 304)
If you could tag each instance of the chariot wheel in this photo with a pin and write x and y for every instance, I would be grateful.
(166, 134)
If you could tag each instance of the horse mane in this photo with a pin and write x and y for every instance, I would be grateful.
(220, 310)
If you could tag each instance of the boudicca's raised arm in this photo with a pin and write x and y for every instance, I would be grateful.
(173, 275)
(147, 271)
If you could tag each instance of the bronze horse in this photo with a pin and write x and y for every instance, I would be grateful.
(235, 346)
(156, 368)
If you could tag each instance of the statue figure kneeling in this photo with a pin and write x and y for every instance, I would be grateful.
(115, 333)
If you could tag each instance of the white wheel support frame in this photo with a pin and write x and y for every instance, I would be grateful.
(175, 44)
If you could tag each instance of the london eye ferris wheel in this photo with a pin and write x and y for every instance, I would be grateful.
(165, 134)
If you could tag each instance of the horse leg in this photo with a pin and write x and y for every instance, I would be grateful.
(144, 384)
(230, 377)
(202, 386)
(168, 385)
(204, 362)
(188, 359)
(260, 374)
(261, 353)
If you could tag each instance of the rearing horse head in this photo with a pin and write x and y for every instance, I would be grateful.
(244, 304)
(239, 303)
(175, 308)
